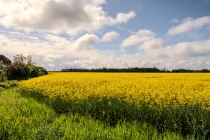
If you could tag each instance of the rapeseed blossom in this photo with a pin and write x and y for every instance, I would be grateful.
(152, 89)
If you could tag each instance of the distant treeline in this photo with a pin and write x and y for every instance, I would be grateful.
(135, 70)
(190, 71)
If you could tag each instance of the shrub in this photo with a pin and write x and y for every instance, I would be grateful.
(34, 72)
(42, 71)
(37, 71)
(3, 76)
(18, 71)
(24, 68)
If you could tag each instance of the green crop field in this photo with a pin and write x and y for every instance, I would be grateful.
(110, 106)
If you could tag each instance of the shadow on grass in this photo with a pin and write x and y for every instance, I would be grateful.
(187, 119)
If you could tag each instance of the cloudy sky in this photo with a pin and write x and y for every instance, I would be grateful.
(107, 33)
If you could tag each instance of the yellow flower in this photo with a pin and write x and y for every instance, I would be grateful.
(161, 89)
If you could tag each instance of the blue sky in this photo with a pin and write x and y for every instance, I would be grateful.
(107, 33)
(156, 15)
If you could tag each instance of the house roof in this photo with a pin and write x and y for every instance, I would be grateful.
(5, 59)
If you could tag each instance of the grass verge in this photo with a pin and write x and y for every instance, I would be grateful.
(8, 84)
(184, 119)
(25, 118)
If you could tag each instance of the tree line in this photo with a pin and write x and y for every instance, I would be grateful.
(135, 69)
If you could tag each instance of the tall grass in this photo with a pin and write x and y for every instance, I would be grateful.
(25, 118)
(186, 119)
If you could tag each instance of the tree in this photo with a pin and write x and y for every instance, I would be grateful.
(24, 68)
(19, 59)
(29, 61)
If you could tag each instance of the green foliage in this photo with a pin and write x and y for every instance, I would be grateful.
(186, 120)
(34, 71)
(37, 71)
(25, 118)
(1, 89)
(1, 65)
(23, 68)
(18, 71)
(3, 76)
(9, 84)
(42, 71)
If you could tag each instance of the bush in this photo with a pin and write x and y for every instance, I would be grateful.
(24, 68)
(42, 71)
(24, 71)
(34, 72)
(37, 71)
(3, 76)
(18, 71)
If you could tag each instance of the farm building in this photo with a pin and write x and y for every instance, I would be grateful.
(5, 60)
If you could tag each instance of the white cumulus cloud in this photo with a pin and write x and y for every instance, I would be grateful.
(57, 16)
(86, 42)
(145, 32)
(188, 49)
(190, 24)
(123, 18)
(110, 36)
(138, 38)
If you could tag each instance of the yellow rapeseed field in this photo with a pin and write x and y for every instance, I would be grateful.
(160, 89)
